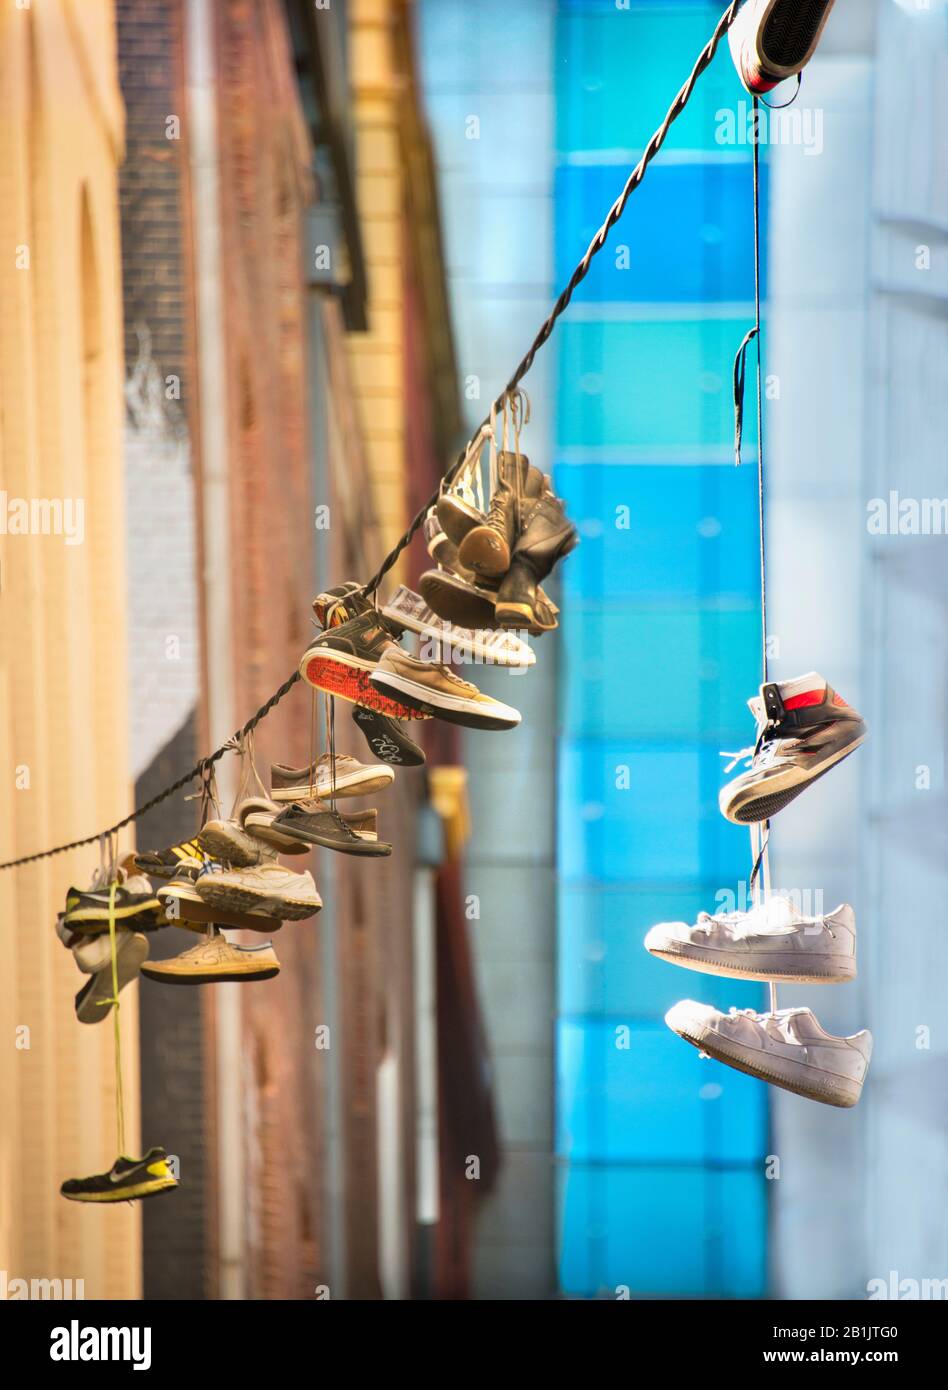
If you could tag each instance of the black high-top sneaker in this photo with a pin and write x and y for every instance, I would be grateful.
(339, 660)
(771, 40)
(486, 548)
(547, 535)
(803, 729)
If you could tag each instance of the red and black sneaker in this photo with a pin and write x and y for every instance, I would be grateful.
(804, 729)
(772, 40)
(340, 660)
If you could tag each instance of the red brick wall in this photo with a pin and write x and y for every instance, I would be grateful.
(264, 187)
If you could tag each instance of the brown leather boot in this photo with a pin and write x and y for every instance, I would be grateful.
(486, 548)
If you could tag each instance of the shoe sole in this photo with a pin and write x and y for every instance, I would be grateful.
(454, 709)
(367, 849)
(153, 1188)
(349, 680)
(457, 517)
(779, 969)
(219, 845)
(262, 831)
(229, 898)
(763, 800)
(463, 606)
(364, 783)
(201, 915)
(777, 1071)
(81, 918)
(90, 1001)
(484, 552)
(388, 748)
(227, 977)
(788, 44)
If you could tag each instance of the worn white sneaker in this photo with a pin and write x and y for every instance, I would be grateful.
(771, 942)
(94, 957)
(266, 887)
(789, 1049)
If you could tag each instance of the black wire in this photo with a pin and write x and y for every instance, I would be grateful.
(524, 365)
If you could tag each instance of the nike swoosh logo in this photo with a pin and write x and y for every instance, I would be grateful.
(127, 1173)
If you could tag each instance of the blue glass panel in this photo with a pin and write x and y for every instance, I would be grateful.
(618, 70)
(651, 385)
(662, 1230)
(602, 966)
(665, 826)
(636, 1092)
(673, 531)
(688, 235)
(671, 671)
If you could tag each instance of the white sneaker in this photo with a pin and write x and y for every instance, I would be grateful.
(265, 887)
(767, 943)
(789, 1049)
(131, 950)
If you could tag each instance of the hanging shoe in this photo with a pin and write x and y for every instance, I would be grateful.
(458, 513)
(487, 547)
(438, 544)
(266, 887)
(135, 905)
(547, 537)
(803, 729)
(316, 824)
(183, 906)
(493, 646)
(472, 605)
(339, 776)
(163, 863)
(340, 660)
(228, 841)
(768, 943)
(127, 1179)
(771, 40)
(337, 605)
(256, 816)
(788, 1049)
(94, 957)
(387, 738)
(436, 690)
(214, 961)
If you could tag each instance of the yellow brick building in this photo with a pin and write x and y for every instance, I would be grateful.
(63, 683)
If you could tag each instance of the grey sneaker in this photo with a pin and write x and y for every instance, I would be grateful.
(342, 776)
(788, 1049)
(767, 943)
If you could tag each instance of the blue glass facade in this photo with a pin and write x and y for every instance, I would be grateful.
(660, 1155)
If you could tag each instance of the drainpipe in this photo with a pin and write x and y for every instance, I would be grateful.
(201, 78)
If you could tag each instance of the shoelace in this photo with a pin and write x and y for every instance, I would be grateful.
(752, 752)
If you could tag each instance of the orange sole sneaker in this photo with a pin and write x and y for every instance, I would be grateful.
(351, 683)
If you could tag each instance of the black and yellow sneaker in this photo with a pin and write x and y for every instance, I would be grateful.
(128, 1179)
(163, 863)
(135, 906)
